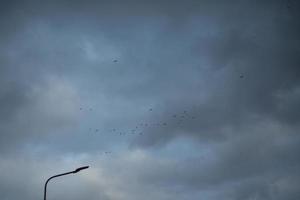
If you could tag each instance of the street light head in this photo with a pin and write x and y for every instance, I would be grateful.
(81, 168)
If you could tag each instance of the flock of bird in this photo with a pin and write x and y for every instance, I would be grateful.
(139, 129)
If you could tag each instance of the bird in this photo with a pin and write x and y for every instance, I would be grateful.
(115, 60)
(150, 109)
(241, 76)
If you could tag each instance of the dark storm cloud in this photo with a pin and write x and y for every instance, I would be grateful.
(254, 73)
(40, 39)
(228, 71)
(252, 65)
(262, 164)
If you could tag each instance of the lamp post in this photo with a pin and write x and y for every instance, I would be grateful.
(72, 172)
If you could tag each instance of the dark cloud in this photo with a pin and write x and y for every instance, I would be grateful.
(252, 165)
(267, 59)
(223, 77)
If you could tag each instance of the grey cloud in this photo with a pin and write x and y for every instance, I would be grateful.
(36, 112)
(233, 67)
(266, 58)
(252, 165)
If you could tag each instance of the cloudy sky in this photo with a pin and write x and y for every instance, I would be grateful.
(163, 100)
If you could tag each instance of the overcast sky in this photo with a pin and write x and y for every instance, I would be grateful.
(181, 100)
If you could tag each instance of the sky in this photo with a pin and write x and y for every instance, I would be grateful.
(163, 100)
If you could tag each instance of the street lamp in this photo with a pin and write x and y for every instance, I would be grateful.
(72, 172)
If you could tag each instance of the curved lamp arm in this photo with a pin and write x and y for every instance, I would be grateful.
(72, 172)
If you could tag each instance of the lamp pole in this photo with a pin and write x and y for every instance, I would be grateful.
(72, 172)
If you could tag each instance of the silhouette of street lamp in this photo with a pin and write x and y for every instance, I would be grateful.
(72, 172)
